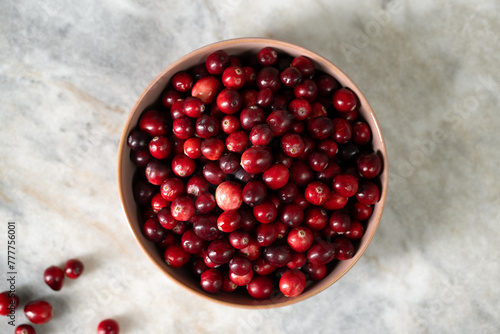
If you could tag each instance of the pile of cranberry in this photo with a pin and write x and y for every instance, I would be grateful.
(256, 171)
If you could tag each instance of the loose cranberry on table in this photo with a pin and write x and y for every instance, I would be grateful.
(108, 326)
(8, 302)
(38, 312)
(24, 329)
(54, 277)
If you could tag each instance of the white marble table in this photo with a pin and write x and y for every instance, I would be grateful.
(70, 72)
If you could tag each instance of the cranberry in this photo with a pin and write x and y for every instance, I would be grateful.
(304, 65)
(54, 277)
(329, 146)
(350, 116)
(321, 252)
(143, 192)
(177, 109)
(320, 128)
(280, 101)
(300, 108)
(256, 159)
(264, 98)
(326, 84)
(240, 265)
(138, 140)
(315, 218)
(306, 89)
(220, 251)
(38, 312)
(207, 126)
(368, 193)
(239, 239)
(216, 62)
(183, 127)
(276, 176)
(183, 166)
(199, 267)
(108, 326)
(237, 141)
(197, 185)
(241, 280)
(230, 123)
(340, 221)
(160, 147)
(169, 96)
(318, 110)
(266, 212)
(361, 133)
(292, 283)
(347, 152)
(345, 185)
(251, 116)
(300, 238)
(207, 260)
(342, 131)
(261, 287)
(292, 144)
(360, 211)
(25, 329)
(212, 148)
(292, 215)
(152, 230)
(206, 228)
(229, 101)
(176, 256)
(281, 158)
(280, 121)
(182, 82)
(140, 158)
(154, 123)
(344, 249)
(317, 193)
(206, 89)
(335, 201)
(8, 302)
(290, 76)
(288, 193)
(266, 234)
(344, 100)
(262, 267)
(193, 107)
(182, 208)
(233, 77)
(166, 220)
(369, 165)
(213, 174)
(227, 284)
(316, 272)
(73, 268)
(300, 173)
(267, 57)
(298, 261)
(327, 174)
(205, 203)
(229, 163)
(180, 228)
(278, 255)
(250, 76)
(229, 221)
(261, 134)
(356, 231)
(228, 195)
(192, 243)
(269, 77)
(252, 251)
(254, 193)
(172, 188)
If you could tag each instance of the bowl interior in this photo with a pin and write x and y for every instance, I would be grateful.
(126, 169)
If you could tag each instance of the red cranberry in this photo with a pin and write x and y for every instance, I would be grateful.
(213, 174)
(356, 231)
(251, 116)
(154, 123)
(206, 89)
(306, 89)
(38, 312)
(252, 251)
(329, 146)
(368, 193)
(340, 221)
(266, 212)
(230, 123)
(250, 76)
(157, 171)
(269, 77)
(321, 252)
(227, 284)
(300, 173)
(298, 261)
(344, 249)
(345, 185)
(266, 234)
(344, 100)
(360, 211)
(207, 126)
(54, 277)
(212, 148)
(249, 97)
(193, 107)
(182, 82)
(153, 231)
(327, 174)
(233, 77)
(288, 193)
(300, 108)
(262, 267)
(267, 57)
(292, 144)
(237, 141)
(301, 201)
(197, 185)
(8, 302)
(315, 218)
(292, 283)
(205, 203)
(278, 255)
(304, 65)
(177, 109)
(335, 201)
(290, 76)
(138, 140)
(182, 208)
(264, 98)
(229, 101)
(320, 128)
(361, 133)
(239, 239)
(229, 221)
(183, 127)
(183, 166)
(229, 163)
(317, 193)
(176, 256)
(216, 62)
(318, 110)
(228, 195)
(318, 160)
(280, 121)
(326, 84)
(73, 268)
(192, 243)
(220, 251)
(261, 134)
(25, 329)
(240, 265)
(169, 96)
(369, 165)
(316, 272)
(292, 215)
(166, 220)
(256, 159)
(276, 176)
(350, 116)
(207, 260)
(254, 193)
(108, 326)
(172, 188)
(241, 280)
(160, 147)
(261, 287)
(300, 238)
(342, 131)
(309, 145)
(206, 227)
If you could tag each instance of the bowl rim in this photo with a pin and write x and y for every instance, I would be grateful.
(374, 221)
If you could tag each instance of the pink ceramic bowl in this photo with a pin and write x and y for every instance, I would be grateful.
(126, 170)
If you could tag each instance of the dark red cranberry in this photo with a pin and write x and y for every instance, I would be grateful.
(318, 160)
(183, 166)
(160, 147)
(140, 158)
(211, 280)
(169, 239)
(291, 215)
(264, 98)
(227, 284)
(153, 231)
(262, 267)
(38, 312)
(230, 123)
(292, 283)
(267, 57)
(256, 159)
(290, 76)
(207, 126)
(254, 193)
(344, 100)
(288, 193)
(369, 165)
(300, 239)
(220, 251)
(144, 192)
(213, 173)
(361, 133)
(154, 123)
(212, 148)
(318, 110)
(24, 329)
(250, 76)
(54, 277)
(347, 152)
(342, 131)
(266, 212)
(240, 265)
(237, 141)
(304, 65)
(182, 82)
(261, 287)
(329, 146)
(158, 171)
(169, 96)
(279, 121)
(298, 261)
(206, 227)
(228, 195)
(229, 101)
(138, 140)
(172, 188)
(199, 267)
(320, 128)
(8, 302)
(281, 158)
(241, 280)
(205, 203)
(327, 174)
(177, 109)
(73, 268)
(181, 227)
(193, 107)
(356, 231)
(261, 134)
(306, 89)
(216, 62)
(199, 71)
(229, 163)
(321, 252)
(315, 218)
(266, 234)
(176, 256)
(280, 102)
(233, 77)
(326, 84)
(177, 144)
(335, 201)
(340, 221)
(360, 211)
(251, 116)
(300, 173)
(298, 126)
(182, 208)
(269, 77)
(239, 239)
(206, 89)
(344, 249)
(350, 116)
(192, 243)
(368, 193)
(309, 145)
(316, 272)
(278, 255)
(345, 185)
(276, 176)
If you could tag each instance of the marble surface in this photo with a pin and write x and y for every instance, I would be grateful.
(70, 72)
